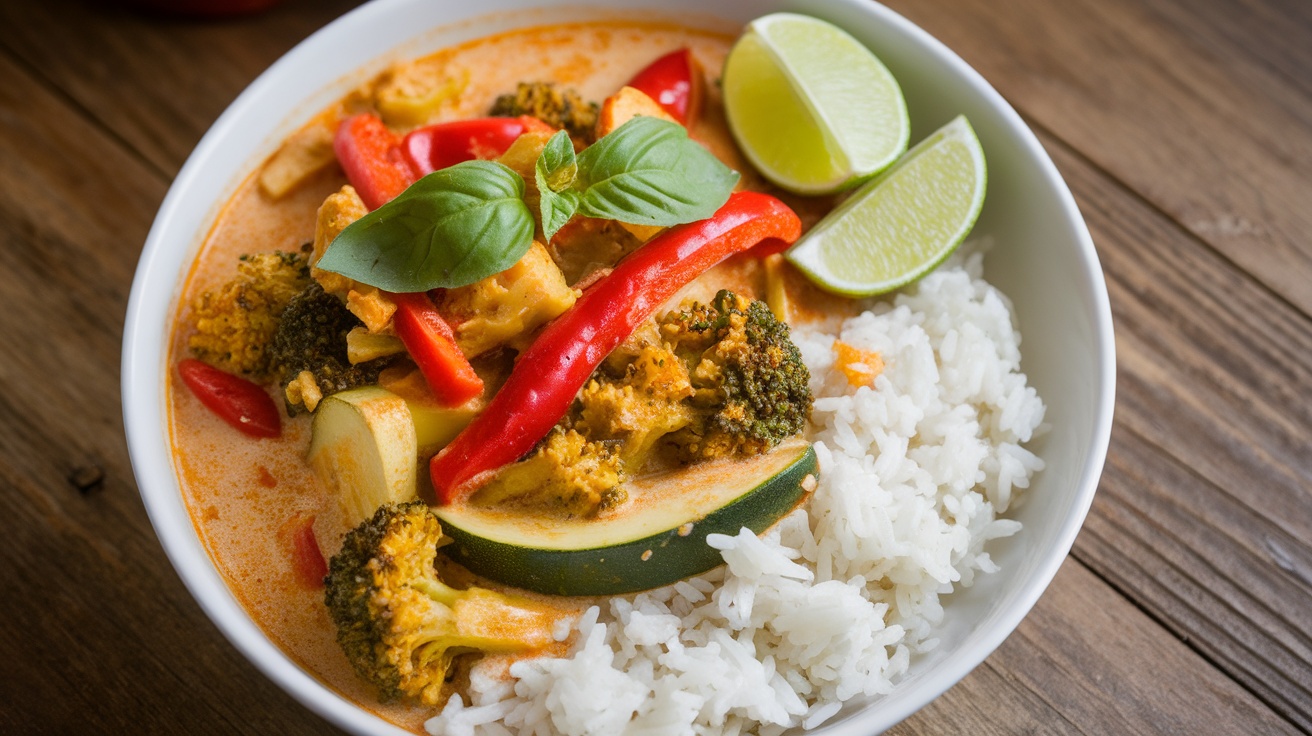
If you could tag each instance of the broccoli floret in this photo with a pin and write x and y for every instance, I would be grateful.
(566, 474)
(236, 323)
(639, 407)
(751, 387)
(563, 109)
(309, 347)
(400, 625)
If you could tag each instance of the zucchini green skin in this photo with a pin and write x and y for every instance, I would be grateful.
(639, 564)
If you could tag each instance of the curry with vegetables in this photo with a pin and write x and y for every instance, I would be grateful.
(505, 326)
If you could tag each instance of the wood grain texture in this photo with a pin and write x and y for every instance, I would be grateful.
(1201, 108)
(1205, 511)
(1212, 366)
(1099, 672)
(100, 635)
(1223, 579)
(155, 82)
(1181, 126)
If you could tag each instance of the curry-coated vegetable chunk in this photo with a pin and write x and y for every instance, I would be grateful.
(339, 210)
(567, 475)
(505, 309)
(717, 379)
(236, 323)
(412, 93)
(587, 245)
(711, 380)
(399, 625)
(625, 105)
(645, 403)
(522, 158)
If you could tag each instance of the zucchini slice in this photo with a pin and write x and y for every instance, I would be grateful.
(656, 538)
(363, 446)
(370, 446)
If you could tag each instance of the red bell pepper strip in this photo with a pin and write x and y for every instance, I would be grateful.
(377, 167)
(370, 154)
(307, 559)
(674, 81)
(436, 147)
(237, 401)
(432, 345)
(550, 373)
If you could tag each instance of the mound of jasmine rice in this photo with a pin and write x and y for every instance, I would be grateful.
(837, 599)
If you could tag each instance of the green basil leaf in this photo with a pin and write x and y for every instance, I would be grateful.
(557, 209)
(557, 166)
(554, 172)
(451, 228)
(648, 172)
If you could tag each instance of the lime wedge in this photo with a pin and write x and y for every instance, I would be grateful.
(811, 108)
(900, 225)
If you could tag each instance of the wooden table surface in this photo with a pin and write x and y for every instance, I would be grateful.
(1184, 128)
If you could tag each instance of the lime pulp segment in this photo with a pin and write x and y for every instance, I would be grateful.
(903, 223)
(773, 123)
(813, 109)
(848, 89)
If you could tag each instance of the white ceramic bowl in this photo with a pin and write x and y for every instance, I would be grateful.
(1044, 260)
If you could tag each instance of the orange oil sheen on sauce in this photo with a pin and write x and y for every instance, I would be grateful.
(242, 492)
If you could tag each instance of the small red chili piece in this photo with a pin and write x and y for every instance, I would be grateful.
(237, 401)
(674, 81)
(307, 560)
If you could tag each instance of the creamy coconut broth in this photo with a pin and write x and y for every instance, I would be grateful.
(247, 495)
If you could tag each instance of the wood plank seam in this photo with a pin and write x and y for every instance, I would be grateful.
(1300, 647)
(1288, 711)
(1042, 697)
(1296, 629)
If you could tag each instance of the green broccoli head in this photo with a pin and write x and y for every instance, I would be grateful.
(566, 474)
(399, 625)
(748, 377)
(559, 108)
(235, 323)
(311, 337)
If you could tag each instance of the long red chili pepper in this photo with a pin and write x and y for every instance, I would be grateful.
(380, 168)
(550, 373)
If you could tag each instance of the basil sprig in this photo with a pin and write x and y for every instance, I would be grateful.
(469, 221)
(555, 172)
(451, 228)
(646, 172)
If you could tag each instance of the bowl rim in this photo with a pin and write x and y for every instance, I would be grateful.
(145, 409)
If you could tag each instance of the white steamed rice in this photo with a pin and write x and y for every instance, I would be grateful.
(837, 600)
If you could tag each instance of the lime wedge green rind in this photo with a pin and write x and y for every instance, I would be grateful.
(903, 223)
(811, 108)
